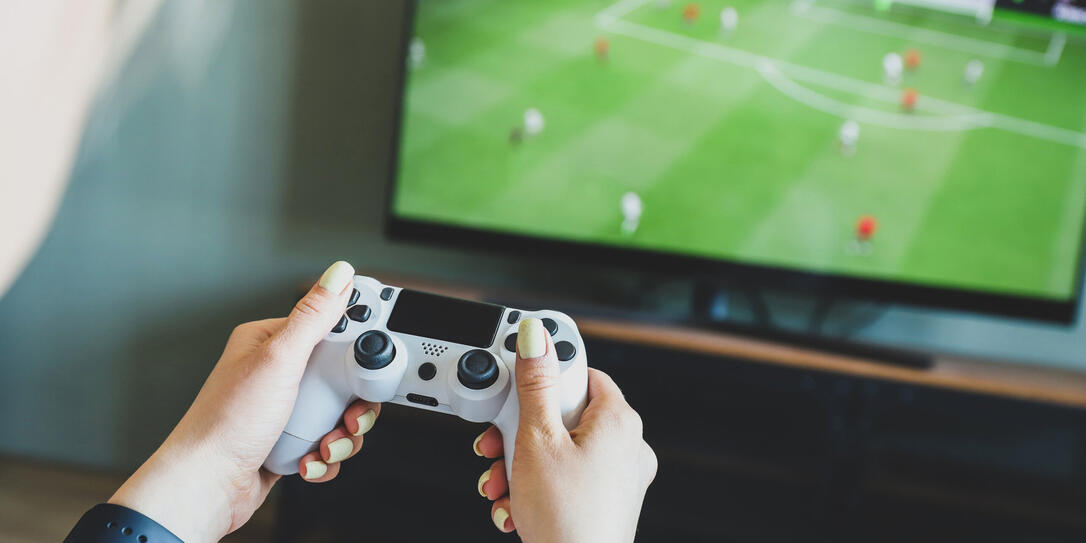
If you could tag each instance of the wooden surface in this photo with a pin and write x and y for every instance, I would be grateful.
(1021, 381)
(40, 502)
(977, 376)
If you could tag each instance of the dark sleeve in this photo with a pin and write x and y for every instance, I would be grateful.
(109, 523)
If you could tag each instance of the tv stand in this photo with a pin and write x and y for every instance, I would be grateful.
(706, 313)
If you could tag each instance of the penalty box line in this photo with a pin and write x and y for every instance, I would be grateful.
(969, 117)
(873, 25)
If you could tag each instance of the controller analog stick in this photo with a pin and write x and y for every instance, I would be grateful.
(477, 369)
(374, 350)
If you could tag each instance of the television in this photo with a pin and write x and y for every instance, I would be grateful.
(925, 152)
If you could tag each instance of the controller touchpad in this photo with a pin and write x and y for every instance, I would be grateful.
(446, 319)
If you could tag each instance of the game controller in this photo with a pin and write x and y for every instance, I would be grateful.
(426, 351)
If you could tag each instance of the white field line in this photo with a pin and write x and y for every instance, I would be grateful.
(1055, 48)
(873, 25)
(617, 11)
(865, 115)
(968, 117)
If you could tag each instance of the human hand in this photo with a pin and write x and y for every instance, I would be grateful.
(205, 480)
(582, 485)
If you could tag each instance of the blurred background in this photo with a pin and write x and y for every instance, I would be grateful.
(243, 145)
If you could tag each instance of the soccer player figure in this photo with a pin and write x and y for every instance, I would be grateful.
(533, 122)
(973, 70)
(865, 230)
(908, 99)
(847, 137)
(603, 49)
(631, 212)
(892, 66)
(690, 13)
(912, 59)
(729, 19)
(516, 135)
(416, 53)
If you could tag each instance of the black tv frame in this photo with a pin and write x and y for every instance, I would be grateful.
(1055, 311)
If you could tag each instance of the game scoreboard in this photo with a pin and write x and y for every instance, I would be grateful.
(927, 151)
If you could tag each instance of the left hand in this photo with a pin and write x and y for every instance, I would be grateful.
(206, 479)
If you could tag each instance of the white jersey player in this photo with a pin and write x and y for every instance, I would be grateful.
(631, 212)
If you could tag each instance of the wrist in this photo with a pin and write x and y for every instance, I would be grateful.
(182, 491)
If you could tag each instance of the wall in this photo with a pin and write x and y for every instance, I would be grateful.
(242, 149)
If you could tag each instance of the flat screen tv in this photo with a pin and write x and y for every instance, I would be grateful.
(928, 152)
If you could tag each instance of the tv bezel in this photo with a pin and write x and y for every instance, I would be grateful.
(1057, 311)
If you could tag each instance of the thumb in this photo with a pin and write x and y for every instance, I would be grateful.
(316, 313)
(537, 379)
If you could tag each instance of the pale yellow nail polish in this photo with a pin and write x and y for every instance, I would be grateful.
(475, 445)
(337, 276)
(500, 516)
(340, 449)
(531, 339)
(315, 469)
(365, 422)
(482, 481)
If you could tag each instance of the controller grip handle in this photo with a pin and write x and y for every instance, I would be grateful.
(509, 420)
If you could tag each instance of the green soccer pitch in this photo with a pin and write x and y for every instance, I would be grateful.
(731, 140)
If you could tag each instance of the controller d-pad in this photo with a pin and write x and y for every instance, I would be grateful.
(565, 351)
(550, 325)
(477, 369)
(340, 326)
(511, 342)
(360, 313)
(354, 297)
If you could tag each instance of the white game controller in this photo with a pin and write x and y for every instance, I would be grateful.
(427, 351)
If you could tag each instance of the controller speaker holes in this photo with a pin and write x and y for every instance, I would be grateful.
(433, 349)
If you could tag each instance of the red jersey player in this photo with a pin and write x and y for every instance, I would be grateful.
(865, 228)
(691, 12)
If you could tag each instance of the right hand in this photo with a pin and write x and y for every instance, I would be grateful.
(568, 486)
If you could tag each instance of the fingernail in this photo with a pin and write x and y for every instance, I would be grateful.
(531, 338)
(475, 445)
(340, 449)
(315, 469)
(365, 422)
(337, 276)
(482, 481)
(500, 516)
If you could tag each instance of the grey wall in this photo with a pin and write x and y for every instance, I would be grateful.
(243, 148)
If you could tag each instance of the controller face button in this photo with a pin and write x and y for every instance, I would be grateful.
(565, 351)
(360, 313)
(551, 326)
(427, 371)
(386, 293)
(374, 350)
(477, 369)
(513, 317)
(511, 342)
(424, 400)
(354, 297)
(341, 325)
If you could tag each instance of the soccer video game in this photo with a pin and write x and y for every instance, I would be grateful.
(930, 142)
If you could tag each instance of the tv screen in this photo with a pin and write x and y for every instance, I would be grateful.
(923, 144)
